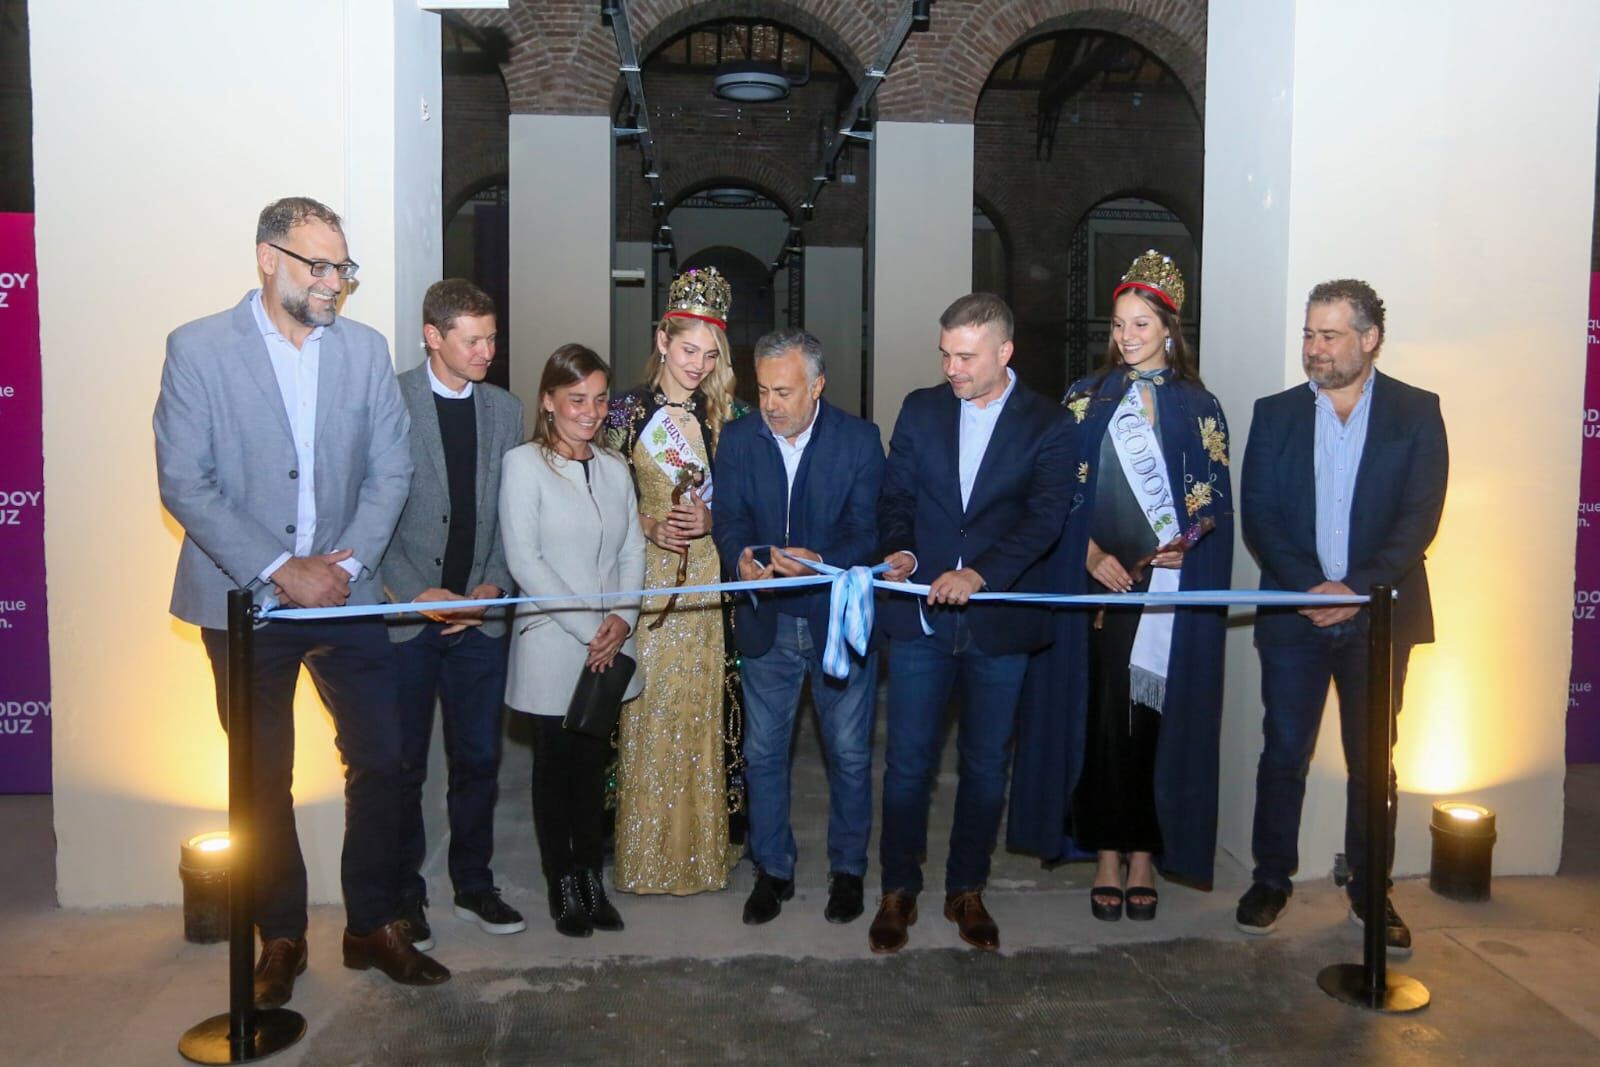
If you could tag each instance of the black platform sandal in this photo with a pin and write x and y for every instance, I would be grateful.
(1106, 913)
(1142, 900)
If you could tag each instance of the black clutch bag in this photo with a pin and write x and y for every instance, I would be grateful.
(597, 698)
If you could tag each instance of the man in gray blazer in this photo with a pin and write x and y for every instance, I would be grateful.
(281, 451)
(448, 547)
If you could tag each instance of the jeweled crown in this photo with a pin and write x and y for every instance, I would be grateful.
(1155, 273)
(701, 293)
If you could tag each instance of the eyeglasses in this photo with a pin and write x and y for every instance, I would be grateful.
(321, 268)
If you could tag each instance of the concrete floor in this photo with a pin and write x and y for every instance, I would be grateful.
(1512, 979)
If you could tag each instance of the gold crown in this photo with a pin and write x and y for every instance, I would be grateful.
(1155, 273)
(701, 293)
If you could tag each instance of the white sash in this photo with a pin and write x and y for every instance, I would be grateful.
(664, 441)
(1145, 468)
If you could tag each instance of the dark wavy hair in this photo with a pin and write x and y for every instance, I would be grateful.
(567, 365)
(1179, 360)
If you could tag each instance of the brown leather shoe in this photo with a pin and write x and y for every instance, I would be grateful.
(389, 949)
(977, 927)
(282, 960)
(896, 911)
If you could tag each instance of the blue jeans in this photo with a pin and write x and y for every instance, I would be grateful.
(772, 683)
(467, 672)
(1294, 688)
(921, 675)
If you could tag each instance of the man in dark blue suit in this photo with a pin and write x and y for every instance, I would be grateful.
(975, 494)
(1344, 482)
(803, 478)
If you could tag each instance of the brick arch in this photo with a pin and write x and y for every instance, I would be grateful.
(961, 52)
(1185, 207)
(849, 36)
(689, 175)
(563, 59)
(996, 204)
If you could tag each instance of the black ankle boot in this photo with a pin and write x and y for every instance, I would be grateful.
(592, 891)
(566, 908)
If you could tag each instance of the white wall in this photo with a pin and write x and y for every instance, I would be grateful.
(561, 226)
(1418, 134)
(160, 131)
(919, 251)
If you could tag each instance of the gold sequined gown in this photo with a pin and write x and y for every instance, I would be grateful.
(672, 806)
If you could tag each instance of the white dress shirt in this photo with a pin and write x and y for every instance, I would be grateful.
(296, 370)
(791, 455)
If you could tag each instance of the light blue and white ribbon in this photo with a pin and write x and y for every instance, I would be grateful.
(850, 604)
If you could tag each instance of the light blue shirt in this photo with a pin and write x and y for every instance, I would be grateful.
(977, 427)
(296, 370)
(1337, 453)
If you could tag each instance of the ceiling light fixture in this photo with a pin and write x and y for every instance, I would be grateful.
(750, 83)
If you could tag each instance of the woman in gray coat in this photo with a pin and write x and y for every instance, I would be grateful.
(571, 524)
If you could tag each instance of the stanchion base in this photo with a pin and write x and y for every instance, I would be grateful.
(1348, 982)
(276, 1030)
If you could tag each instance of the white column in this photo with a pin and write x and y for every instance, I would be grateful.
(1465, 199)
(834, 313)
(561, 226)
(159, 133)
(919, 252)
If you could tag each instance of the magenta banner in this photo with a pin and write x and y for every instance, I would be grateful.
(24, 633)
(1583, 703)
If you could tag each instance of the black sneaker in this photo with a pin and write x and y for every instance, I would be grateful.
(414, 913)
(493, 915)
(1259, 909)
(844, 898)
(767, 898)
(1396, 934)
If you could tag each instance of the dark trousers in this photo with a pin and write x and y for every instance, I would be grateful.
(353, 669)
(1294, 688)
(1114, 804)
(569, 797)
(467, 671)
(922, 672)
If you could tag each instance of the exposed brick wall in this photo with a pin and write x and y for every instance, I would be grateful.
(564, 61)
(939, 76)
(475, 135)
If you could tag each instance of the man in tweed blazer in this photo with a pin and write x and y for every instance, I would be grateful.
(281, 451)
(448, 547)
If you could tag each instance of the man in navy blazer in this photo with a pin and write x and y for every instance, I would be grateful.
(975, 494)
(1344, 481)
(803, 478)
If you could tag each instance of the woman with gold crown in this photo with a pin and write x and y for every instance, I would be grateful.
(1128, 773)
(672, 777)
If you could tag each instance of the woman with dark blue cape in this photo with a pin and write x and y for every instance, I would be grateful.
(1117, 737)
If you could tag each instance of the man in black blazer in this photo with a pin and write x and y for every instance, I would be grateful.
(804, 477)
(975, 494)
(447, 546)
(1344, 482)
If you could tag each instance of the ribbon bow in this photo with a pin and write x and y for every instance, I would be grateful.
(850, 612)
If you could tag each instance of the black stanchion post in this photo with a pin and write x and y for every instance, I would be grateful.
(244, 1033)
(1369, 984)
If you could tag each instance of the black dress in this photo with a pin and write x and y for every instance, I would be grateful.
(1113, 807)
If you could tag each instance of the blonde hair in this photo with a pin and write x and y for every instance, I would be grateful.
(717, 387)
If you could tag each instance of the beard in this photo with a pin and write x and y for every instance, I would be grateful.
(298, 305)
(1332, 376)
